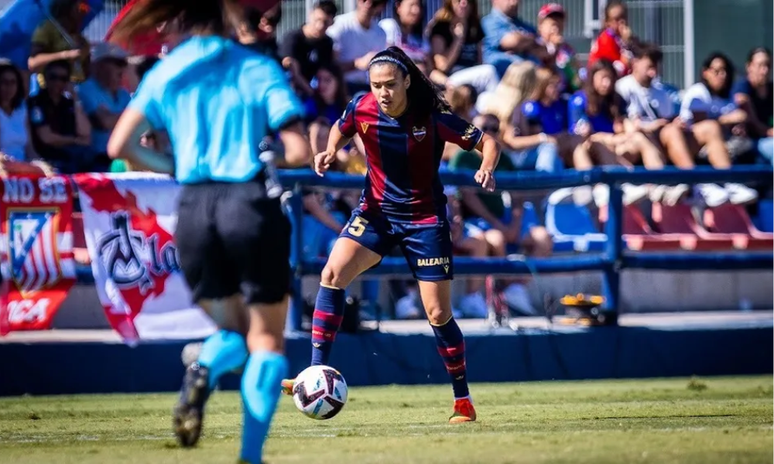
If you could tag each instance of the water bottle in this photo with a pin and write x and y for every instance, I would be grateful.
(273, 185)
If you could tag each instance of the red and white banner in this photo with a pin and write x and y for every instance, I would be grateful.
(36, 250)
(129, 221)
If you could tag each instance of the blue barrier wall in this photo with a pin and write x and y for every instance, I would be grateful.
(382, 358)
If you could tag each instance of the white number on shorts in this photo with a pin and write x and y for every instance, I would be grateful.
(357, 226)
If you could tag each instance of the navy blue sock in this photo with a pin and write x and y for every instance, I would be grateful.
(326, 320)
(222, 352)
(263, 372)
(451, 346)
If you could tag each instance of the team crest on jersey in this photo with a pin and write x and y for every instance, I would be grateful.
(364, 127)
(33, 249)
(419, 133)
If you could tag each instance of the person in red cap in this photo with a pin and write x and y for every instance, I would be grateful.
(551, 31)
(613, 43)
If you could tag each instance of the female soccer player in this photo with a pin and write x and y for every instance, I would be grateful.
(217, 100)
(403, 123)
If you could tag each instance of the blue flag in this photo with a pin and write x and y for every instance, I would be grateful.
(20, 19)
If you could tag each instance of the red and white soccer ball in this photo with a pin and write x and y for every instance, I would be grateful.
(320, 392)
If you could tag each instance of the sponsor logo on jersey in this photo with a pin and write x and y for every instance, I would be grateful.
(428, 262)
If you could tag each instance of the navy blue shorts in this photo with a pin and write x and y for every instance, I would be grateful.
(427, 248)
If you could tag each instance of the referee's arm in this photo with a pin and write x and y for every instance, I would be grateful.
(125, 143)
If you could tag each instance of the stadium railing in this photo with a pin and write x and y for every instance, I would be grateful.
(611, 262)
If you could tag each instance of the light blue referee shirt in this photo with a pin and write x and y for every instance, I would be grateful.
(217, 100)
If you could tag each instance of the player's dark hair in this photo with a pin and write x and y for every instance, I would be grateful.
(421, 94)
(217, 16)
(327, 6)
(647, 50)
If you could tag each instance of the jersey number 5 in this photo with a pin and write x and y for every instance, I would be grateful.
(357, 226)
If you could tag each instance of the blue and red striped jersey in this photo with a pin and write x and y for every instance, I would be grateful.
(403, 155)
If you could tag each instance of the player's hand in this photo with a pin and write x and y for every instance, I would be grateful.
(323, 161)
(486, 179)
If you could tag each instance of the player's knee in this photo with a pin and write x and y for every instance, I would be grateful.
(437, 314)
(332, 277)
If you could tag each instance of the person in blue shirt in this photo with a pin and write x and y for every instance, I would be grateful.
(538, 130)
(755, 95)
(218, 101)
(509, 39)
(104, 98)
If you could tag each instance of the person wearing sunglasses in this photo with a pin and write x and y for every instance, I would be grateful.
(61, 132)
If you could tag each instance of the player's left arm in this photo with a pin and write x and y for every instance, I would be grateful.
(453, 129)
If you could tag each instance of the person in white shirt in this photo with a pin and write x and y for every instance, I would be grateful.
(405, 32)
(357, 37)
(650, 110)
(15, 142)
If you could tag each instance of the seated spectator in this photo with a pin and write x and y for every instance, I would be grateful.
(14, 125)
(462, 100)
(330, 95)
(104, 98)
(508, 39)
(754, 94)
(61, 133)
(597, 115)
(650, 111)
(405, 32)
(259, 31)
(551, 32)
(538, 129)
(712, 117)
(614, 41)
(455, 40)
(514, 89)
(49, 45)
(138, 67)
(357, 37)
(305, 49)
(487, 217)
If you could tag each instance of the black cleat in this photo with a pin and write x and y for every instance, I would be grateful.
(188, 414)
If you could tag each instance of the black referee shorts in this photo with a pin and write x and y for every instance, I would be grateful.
(233, 239)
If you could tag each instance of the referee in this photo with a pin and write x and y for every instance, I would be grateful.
(218, 100)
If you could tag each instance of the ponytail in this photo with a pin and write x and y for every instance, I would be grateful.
(422, 94)
(217, 16)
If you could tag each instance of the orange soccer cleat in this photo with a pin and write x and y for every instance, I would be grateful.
(463, 411)
(287, 386)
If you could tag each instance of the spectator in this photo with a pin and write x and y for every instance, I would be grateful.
(259, 31)
(754, 94)
(551, 31)
(486, 217)
(49, 44)
(508, 39)
(650, 110)
(613, 43)
(515, 87)
(304, 50)
(462, 100)
(710, 115)
(138, 67)
(597, 115)
(15, 140)
(61, 133)
(455, 40)
(357, 37)
(104, 98)
(538, 129)
(329, 98)
(405, 32)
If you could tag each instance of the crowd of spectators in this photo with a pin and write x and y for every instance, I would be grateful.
(515, 78)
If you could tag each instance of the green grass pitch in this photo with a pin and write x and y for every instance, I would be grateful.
(664, 421)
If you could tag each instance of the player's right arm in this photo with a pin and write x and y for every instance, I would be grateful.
(341, 133)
